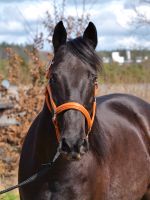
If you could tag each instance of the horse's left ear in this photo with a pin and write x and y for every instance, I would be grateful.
(90, 34)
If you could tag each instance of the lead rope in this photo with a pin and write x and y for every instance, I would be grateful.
(35, 176)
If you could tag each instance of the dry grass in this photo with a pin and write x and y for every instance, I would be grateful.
(139, 89)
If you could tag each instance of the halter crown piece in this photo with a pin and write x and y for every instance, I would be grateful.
(67, 106)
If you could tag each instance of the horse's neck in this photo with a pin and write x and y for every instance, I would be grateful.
(46, 142)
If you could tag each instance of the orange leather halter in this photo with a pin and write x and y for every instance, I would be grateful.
(67, 106)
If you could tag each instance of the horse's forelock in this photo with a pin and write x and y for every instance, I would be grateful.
(85, 51)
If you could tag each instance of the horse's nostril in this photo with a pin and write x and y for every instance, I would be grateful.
(65, 146)
(83, 146)
(79, 147)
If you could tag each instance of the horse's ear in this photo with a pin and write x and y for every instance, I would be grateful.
(90, 34)
(59, 36)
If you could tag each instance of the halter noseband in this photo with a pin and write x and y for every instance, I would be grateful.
(67, 106)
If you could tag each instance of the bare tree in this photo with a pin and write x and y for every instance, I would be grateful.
(141, 19)
(74, 24)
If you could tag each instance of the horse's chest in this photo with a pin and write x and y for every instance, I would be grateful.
(70, 189)
(57, 191)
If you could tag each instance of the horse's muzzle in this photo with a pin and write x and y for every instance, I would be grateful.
(73, 150)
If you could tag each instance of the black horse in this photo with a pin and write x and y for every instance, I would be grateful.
(114, 163)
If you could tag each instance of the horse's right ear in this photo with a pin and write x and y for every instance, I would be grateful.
(90, 34)
(59, 36)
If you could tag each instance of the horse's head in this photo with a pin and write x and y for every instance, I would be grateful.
(73, 74)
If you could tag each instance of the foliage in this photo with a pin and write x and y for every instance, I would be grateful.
(9, 196)
(127, 73)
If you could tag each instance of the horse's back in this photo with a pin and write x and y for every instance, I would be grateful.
(125, 114)
(127, 107)
(124, 121)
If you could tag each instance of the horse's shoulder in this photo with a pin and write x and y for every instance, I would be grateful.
(121, 100)
(29, 137)
(117, 106)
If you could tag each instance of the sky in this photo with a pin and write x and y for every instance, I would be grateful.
(20, 20)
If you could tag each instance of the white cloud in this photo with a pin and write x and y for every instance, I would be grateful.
(35, 10)
(145, 10)
(10, 26)
(14, 38)
(133, 42)
(129, 42)
(124, 17)
(21, 20)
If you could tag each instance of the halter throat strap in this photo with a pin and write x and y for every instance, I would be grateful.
(67, 106)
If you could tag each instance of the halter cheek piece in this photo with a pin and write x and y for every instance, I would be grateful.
(67, 106)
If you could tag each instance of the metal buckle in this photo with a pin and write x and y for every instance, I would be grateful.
(54, 117)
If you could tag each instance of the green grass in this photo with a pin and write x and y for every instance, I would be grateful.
(132, 73)
(9, 196)
(4, 68)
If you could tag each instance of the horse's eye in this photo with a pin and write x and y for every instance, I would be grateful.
(92, 77)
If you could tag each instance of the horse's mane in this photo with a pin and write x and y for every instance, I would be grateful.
(85, 51)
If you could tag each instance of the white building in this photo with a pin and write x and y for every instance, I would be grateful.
(117, 58)
(106, 59)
